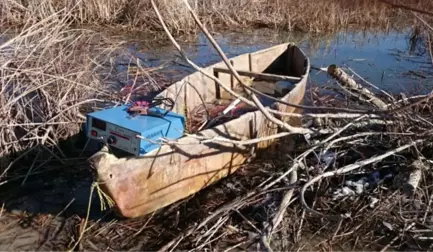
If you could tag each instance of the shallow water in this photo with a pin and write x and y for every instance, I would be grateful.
(385, 59)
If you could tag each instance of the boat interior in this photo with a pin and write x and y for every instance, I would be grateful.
(274, 71)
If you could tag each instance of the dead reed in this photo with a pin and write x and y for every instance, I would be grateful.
(48, 74)
(292, 15)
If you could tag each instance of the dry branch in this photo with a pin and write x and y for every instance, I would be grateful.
(349, 168)
(255, 102)
(410, 186)
(350, 84)
(249, 90)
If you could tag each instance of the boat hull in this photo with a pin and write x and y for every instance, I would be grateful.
(139, 186)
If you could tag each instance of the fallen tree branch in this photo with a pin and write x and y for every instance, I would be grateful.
(364, 134)
(398, 236)
(233, 205)
(308, 152)
(293, 178)
(256, 101)
(372, 85)
(347, 169)
(414, 177)
(423, 21)
(223, 140)
(357, 88)
(231, 92)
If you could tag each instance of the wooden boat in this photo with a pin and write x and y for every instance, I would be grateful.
(139, 186)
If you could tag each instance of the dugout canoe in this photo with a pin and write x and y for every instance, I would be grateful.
(139, 186)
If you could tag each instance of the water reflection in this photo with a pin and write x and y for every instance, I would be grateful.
(387, 59)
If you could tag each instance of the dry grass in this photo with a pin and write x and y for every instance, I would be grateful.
(313, 16)
(48, 74)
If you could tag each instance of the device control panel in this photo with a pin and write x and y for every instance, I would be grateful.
(114, 135)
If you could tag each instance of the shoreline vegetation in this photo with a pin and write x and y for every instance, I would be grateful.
(52, 73)
(49, 75)
(318, 16)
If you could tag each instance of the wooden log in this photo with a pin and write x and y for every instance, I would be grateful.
(353, 87)
(413, 178)
(261, 76)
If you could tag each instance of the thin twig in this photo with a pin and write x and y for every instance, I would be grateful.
(347, 169)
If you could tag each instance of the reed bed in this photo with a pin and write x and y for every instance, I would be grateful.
(49, 74)
(293, 15)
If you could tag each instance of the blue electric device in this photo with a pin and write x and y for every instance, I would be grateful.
(117, 128)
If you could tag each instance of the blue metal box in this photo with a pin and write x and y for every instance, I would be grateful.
(117, 128)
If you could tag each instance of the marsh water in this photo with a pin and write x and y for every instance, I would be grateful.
(394, 61)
